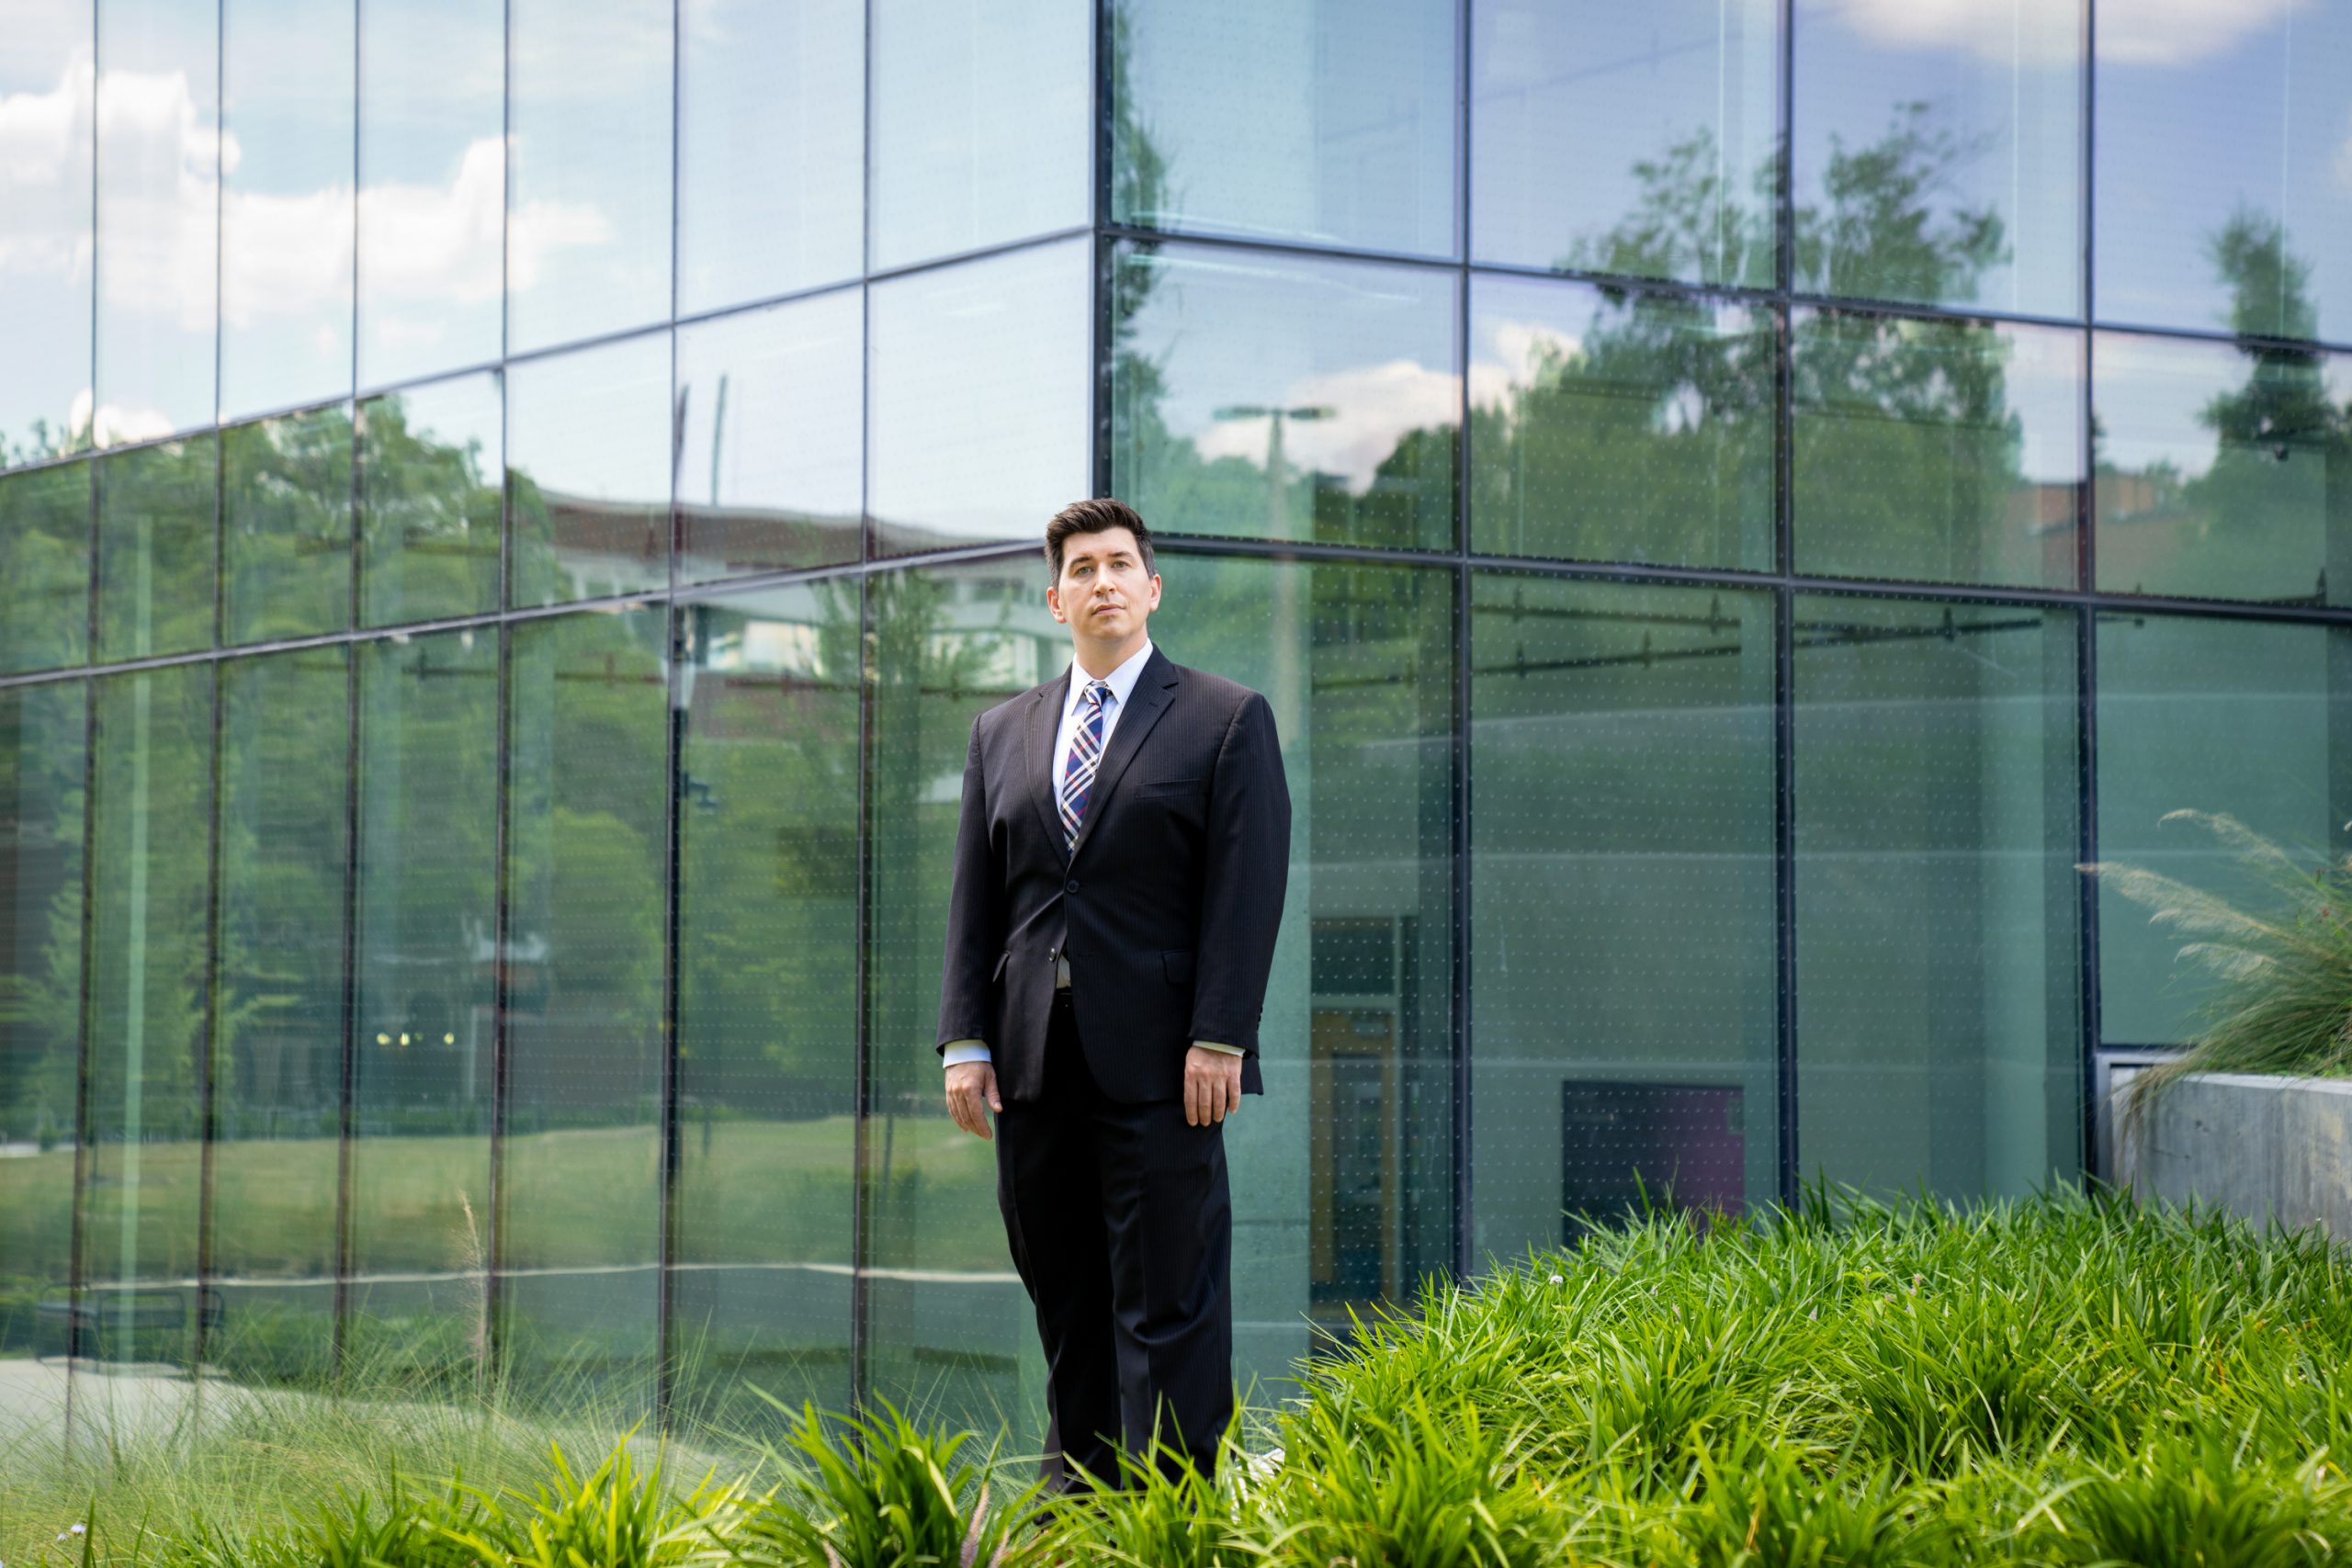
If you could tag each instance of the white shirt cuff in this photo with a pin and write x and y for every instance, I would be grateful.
(1212, 1045)
(959, 1051)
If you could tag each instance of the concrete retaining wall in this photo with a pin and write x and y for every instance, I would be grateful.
(2262, 1147)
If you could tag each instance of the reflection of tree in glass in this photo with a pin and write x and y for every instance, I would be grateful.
(2259, 522)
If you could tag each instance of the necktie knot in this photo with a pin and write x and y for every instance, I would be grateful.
(1098, 691)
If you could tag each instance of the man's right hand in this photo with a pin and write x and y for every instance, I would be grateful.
(971, 1094)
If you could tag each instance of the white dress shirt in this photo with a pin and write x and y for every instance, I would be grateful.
(1122, 682)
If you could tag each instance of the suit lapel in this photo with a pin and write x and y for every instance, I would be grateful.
(1044, 723)
(1154, 690)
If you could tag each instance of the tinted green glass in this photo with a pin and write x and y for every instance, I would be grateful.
(1621, 872)
(43, 736)
(1615, 425)
(589, 473)
(2224, 471)
(1325, 122)
(1938, 154)
(2222, 198)
(588, 188)
(1947, 451)
(1630, 139)
(977, 395)
(430, 468)
(278, 1051)
(157, 506)
(2222, 716)
(1342, 1172)
(586, 857)
(422, 997)
(1280, 397)
(947, 1321)
(770, 430)
(45, 568)
(1939, 1003)
(151, 887)
(767, 1008)
(286, 526)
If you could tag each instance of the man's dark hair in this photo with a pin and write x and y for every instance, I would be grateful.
(1096, 515)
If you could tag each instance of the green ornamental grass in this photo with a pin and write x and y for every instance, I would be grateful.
(2063, 1381)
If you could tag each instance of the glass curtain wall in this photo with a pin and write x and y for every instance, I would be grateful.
(508, 514)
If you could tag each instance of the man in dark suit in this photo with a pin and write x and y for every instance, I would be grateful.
(1119, 870)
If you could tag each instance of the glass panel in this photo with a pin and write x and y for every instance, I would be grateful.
(47, 86)
(1623, 916)
(1615, 425)
(1285, 396)
(948, 1327)
(151, 886)
(44, 731)
(157, 548)
(588, 472)
(2225, 716)
(771, 428)
(768, 1007)
(1939, 152)
(1343, 1173)
(582, 1198)
(588, 211)
(1630, 139)
(2222, 196)
(430, 465)
(976, 393)
(286, 202)
(45, 568)
(424, 991)
(981, 124)
(1331, 122)
(771, 148)
(1938, 971)
(433, 187)
(2222, 471)
(278, 1054)
(159, 206)
(1949, 451)
(286, 526)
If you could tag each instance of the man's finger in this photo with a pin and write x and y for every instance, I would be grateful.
(1196, 1102)
(1232, 1090)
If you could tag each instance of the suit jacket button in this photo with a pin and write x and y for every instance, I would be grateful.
(1073, 884)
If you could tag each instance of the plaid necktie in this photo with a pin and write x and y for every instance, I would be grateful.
(1085, 756)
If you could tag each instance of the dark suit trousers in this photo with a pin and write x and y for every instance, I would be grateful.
(1122, 1229)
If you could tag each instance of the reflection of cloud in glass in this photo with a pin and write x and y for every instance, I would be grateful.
(1373, 407)
(45, 252)
(2040, 32)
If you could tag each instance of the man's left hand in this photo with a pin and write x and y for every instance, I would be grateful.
(1212, 1085)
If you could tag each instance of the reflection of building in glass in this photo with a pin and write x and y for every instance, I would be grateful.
(501, 550)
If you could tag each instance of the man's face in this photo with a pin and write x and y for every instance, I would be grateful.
(1104, 591)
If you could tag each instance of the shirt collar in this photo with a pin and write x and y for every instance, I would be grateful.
(1121, 680)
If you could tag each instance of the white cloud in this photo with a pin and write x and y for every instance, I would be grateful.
(1515, 351)
(2046, 33)
(45, 176)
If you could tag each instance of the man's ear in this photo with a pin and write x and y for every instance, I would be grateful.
(1054, 602)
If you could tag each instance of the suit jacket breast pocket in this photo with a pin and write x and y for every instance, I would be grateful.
(1162, 789)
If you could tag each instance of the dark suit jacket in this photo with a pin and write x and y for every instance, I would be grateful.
(1167, 904)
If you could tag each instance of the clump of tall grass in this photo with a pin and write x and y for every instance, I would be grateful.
(2280, 974)
(2068, 1379)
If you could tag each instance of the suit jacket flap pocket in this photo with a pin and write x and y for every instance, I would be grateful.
(1179, 968)
(998, 973)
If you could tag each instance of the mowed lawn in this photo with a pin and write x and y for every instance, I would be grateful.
(750, 1191)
